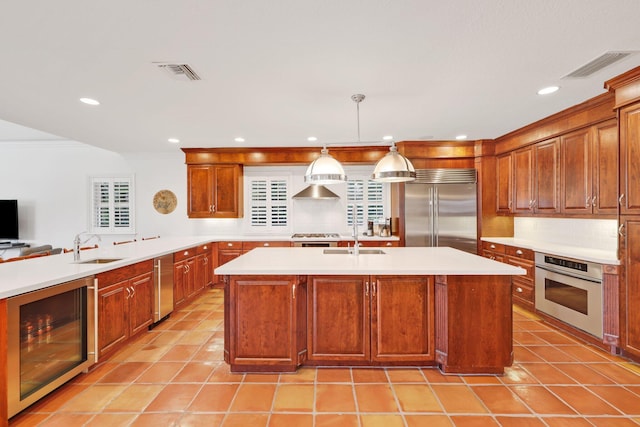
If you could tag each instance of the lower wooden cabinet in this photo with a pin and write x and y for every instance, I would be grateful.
(370, 319)
(630, 285)
(125, 305)
(192, 272)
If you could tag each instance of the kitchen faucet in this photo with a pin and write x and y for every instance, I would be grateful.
(356, 244)
(77, 243)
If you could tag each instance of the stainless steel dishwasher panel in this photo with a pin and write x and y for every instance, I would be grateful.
(163, 301)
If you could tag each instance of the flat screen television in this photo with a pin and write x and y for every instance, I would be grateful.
(9, 220)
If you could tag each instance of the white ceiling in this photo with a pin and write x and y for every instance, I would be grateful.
(276, 72)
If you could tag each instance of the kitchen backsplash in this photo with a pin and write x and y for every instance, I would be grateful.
(587, 233)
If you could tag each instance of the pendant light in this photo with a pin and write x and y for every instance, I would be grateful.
(325, 170)
(394, 167)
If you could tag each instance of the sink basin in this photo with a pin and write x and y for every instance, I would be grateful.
(350, 252)
(99, 261)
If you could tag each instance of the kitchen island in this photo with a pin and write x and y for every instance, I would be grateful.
(286, 307)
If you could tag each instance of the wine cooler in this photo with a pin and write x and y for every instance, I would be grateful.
(51, 339)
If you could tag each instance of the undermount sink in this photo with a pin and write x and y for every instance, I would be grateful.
(350, 252)
(99, 261)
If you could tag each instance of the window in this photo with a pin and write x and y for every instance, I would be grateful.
(268, 203)
(112, 205)
(368, 197)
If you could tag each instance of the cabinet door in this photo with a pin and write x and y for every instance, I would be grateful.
(630, 295)
(190, 277)
(576, 173)
(523, 181)
(203, 273)
(263, 320)
(546, 190)
(338, 318)
(504, 174)
(629, 121)
(113, 322)
(605, 168)
(200, 190)
(179, 283)
(227, 201)
(140, 303)
(402, 318)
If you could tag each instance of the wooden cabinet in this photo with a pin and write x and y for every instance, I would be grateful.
(629, 119)
(265, 325)
(494, 251)
(227, 251)
(504, 175)
(588, 172)
(630, 289)
(546, 188)
(125, 305)
(370, 319)
(192, 271)
(214, 191)
(523, 180)
(523, 287)
(247, 246)
(370, 243)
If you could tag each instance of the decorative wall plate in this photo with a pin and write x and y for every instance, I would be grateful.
(164, 201)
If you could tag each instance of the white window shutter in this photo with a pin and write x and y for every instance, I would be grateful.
(112, 205)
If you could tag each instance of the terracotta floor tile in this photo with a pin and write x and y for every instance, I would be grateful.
(261, 378)
(612, 422)
(335, 398)
(65, 420)
(619, 397)
(157, 419)
(54, 401)
(336, 420)
(517, 375)
(303, 375)
(473, 421)
(547, 373)
(434, 375)
(245, 420)
(184, 325)
(95, 373)
(458, 399)
(194, 372)
(160, 372)
(500, 400)
(375, 398)
(200, 420)
(585, 354)
(180, 353)
(416, 398)
(210, 353)
(427, 420)
(334, 375)
(290, 420)
(400, 375)
(555, 337)
(174, 397)
(214, 398)
(222, 374)
(167, 337)
(93, 399)
(617, 373)
(482, 379)
(583, 374)
(194, 338)
(583, 401)
(135, 398)
(29, 420)
(254, 397)
(382, 420)
(522, 354)
(149, 353)
(369, 375)
(294, 398)
(527, 338)
(551, 354)
(541, 401)
(111, 420)
(125, 372)
(512, 421)
(567, 422)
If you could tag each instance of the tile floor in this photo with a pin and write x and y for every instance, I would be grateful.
(174, 376)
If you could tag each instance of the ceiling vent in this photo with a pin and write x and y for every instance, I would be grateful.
(598, 64)
(179, 71)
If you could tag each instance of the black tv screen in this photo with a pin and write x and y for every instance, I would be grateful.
(9, 219)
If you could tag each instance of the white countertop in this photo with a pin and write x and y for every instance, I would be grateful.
(405, 261)
(30, 275)
(575, 252)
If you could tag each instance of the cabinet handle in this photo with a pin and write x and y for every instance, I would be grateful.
(133, 292)
(492, 257)
(206, 260)
(366, 289)
(389, 244)
(530, 204)
(229, 244)
(519, 289)
(186, 269)
(587, 202)
(213, 208)
(294, 291)
(621, 230)
(509, 204)
(593, 201)
(620, 199)
(373, 289)
(519, 252)
(128, 293)
(492, 246)
(210, 208)
(265, 244)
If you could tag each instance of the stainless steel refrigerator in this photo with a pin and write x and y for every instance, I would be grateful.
(441, 209)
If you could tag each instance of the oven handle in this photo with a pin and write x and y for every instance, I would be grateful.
(94, 291)
(575, 276)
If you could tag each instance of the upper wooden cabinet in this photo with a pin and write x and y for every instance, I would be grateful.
(545, 195)
(589, 159)
(504, 176)
(523, 180)
(629, 117)
(214, 191)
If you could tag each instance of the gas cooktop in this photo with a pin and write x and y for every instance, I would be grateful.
(315, 236)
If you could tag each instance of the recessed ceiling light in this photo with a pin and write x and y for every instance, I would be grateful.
(312, 139)
(239, 139)
(173, 140)
(548, 90)
(387, 138)
(461, 137)
(89, 101)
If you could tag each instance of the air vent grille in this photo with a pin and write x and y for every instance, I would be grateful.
(445, 176)
(179, 71)
(598, 64)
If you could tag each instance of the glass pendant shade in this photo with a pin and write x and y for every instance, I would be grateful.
(393, 167)
(325, 170)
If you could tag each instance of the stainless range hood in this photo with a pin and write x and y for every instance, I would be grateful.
(316, 192)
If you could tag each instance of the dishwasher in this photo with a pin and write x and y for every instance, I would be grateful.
(163, 278)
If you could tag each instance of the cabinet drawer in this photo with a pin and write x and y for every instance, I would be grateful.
(123, 273)
(495, 247)
(247, 246)
(204, 249)
(229, 245)
(523, 263)
(520, 252)
(523, 290)
(184, 254)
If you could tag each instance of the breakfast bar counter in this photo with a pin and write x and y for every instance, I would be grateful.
(286, 307)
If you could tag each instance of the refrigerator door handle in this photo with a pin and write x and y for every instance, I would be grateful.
(435, 214)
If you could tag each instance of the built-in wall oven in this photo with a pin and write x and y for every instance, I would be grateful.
(570, 290)
(51, 336)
